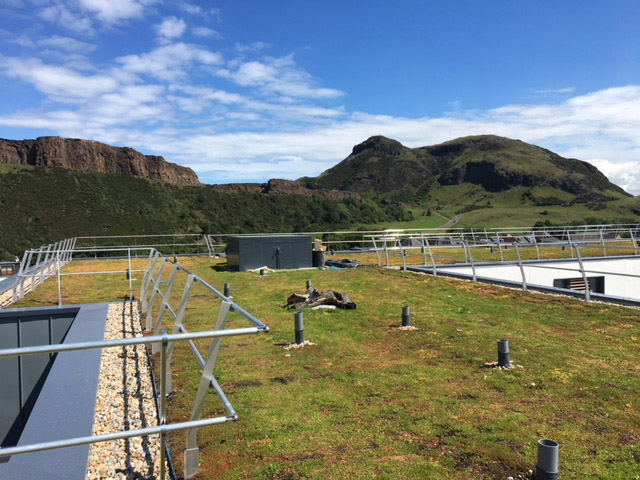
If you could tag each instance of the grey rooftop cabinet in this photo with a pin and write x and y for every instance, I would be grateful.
(276, 252)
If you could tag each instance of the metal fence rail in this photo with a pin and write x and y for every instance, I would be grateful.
(153, 288)
(169, 243)
(36, 266)
(405, 244)
(577, 256)
(164, 427)
(350, 240)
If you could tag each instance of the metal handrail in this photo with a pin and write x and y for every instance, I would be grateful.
(533, 263)
(164, 427)
(124, 342)
(151, 285)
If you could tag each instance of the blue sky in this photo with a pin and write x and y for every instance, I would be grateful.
(244, 91)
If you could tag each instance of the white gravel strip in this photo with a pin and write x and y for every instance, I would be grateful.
(124, 402)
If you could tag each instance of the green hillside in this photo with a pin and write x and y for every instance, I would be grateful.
(482, 181)
(493, 164)
(485, 181)
(41, 205)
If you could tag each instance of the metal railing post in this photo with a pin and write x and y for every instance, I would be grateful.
(154, 255)
(633, 240)
(154, 293)
(424, 250)
(70, 250)
(500, 246)
(524, 278)
(433, 262)
(44, 265)
(375, 247)
(470, 257)
(604, 246)
(147, 270)
(163, 402)
(570, 242)
(164, 305)
(28, 277)
(403, 254)
(63, 249)
(14, 298)
(129, 273)
(386, 250)
(587, 293)
(59, 280)
(464, 242)
(192, 452)
(177, 325)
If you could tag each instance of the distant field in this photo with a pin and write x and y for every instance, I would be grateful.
(369, 401)
(421, 220)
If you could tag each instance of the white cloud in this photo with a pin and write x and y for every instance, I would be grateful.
(60, 14)
(56, 42)
(79, 15)
(60, 83)
(170, 29)
(169, 62)
(199, 11)
(191, 9)
(623, 174)
(205, 32)
(210, 94)
(279, 76)
(67, 44)
(252, 47)
(555, 91)
(112, 11)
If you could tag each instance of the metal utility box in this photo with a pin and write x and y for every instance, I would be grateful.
(276, 252)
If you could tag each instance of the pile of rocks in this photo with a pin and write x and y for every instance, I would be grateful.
(125, 401)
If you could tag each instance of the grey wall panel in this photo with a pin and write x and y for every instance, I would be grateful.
(65, 407)
(34, 330)
(23, 378)
(60, 325)
(10, 403)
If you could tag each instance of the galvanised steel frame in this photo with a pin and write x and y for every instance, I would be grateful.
(164, 340)
(343, 240)
(36, 266)
(152, 289)
(426, 242)
(187, 241)
(576, 247)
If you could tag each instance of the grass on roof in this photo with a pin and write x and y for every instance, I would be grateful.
(370, 401)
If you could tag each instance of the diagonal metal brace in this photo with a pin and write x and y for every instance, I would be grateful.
(164, 306)
(154, 294)
(191, 463)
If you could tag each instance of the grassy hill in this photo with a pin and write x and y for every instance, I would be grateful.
(41, 205)
(490, 163)
(489, 180)
(483, 181)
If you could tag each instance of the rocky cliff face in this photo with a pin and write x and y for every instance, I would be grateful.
(89, 155)
(277, 186)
